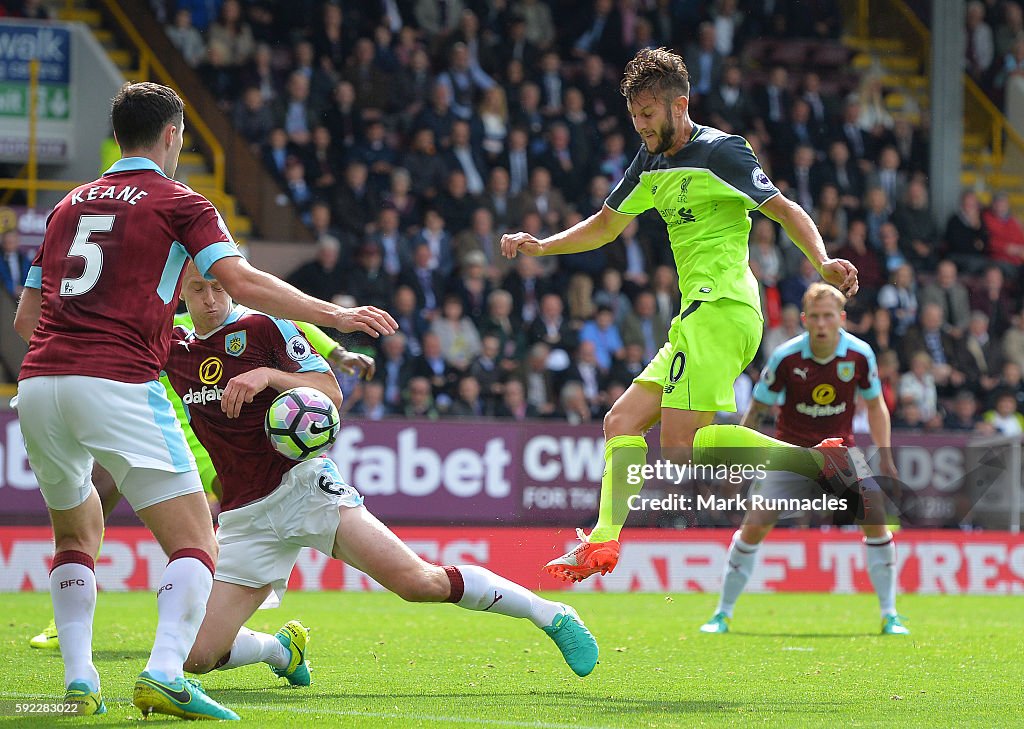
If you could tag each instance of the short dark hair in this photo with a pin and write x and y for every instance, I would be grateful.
(657, 70)
(141, 111)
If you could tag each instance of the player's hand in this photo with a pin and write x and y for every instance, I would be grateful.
(513, 243)
(367, 319)
(354, 363)
(842, 274)
(242, 389)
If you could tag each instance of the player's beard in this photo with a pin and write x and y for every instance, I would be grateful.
(666, 136)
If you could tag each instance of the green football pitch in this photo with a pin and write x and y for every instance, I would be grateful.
(791, 660)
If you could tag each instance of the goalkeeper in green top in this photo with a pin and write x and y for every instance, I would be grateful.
(349, 362)
(702, 182)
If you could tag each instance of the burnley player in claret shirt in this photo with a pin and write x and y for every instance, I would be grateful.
(814, 379)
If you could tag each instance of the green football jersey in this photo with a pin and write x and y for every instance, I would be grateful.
(703, 193)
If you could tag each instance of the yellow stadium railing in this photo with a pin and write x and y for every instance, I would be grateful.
(981, 113)
(150, 67)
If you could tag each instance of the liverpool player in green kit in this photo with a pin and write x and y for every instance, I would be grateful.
(703, 183)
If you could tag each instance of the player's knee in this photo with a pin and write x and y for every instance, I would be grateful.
(618, 422)
(422, 585)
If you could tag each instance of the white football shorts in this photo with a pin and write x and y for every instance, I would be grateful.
(260, 542)
(67, 421)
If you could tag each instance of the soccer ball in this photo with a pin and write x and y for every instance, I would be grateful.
(302, 423)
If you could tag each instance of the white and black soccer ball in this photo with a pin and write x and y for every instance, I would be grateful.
(302, 423)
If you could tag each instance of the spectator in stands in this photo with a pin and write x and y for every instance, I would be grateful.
(632, 256)
(371, 82)
(379, 155)
(1012, 65)
(482, 238)
(220, 77)
(465, 81)
(419, 400)
(462, 156)
(586, 370)
(951, 295)
(513, 403)
(1013, 340)
(468, 404)
(765, 260)
(252, 118)
(829, 216)
(455, 204)
(1004, 418)
(603, 102)
(518, 160)
(368, 281)
(824, 106)
(892, 252)
(858, 141)
(917, 228)
(550, 79)
(471, 285)
(15, 264)
(880, 336)
(344, 117)
(394, 367)
(580, 297)
(584, 138)
(1005, 234)
(324, 275)
(966, 236)
(575, 408)
(541, 198)
(917, 389)
(729, 106)
(368, 404)
(980, 42)
(603, 333)
(276, 152)
(434, 234)
(625, 369)
(911, 144)
(234, 33)
(424, 279)
(798, 179)
(299, 192)
(540, 26)
(569, 169)
(424, 164)
(515, 48)
(773, 100)
(876, 213)
(888, 177)
(704, 62)
(789, 327)
(551, 326)
(792, 288)
(899, 296)
(295, 114)
(1011, 380)
(840, 171)
(798, 130)
(870, 272)
(963, 415)
(527, 115)
(486, 368)
(609, 294)
(497, 197)
(322, 159)
(433, 366)
(186, 38)
(438, 19)
(393, 245)
(494, 121)
(874, 119)
(354, 202)
(645, 326)
(203, 12)
(400, 198)
(501, 322)
(991, 297)
(889, 376)
(599, 32)
(539, 380)
(981, 358)
(930, 336)
(333, 38)
(410, 318)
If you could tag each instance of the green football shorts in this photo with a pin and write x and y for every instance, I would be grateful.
(709, 344)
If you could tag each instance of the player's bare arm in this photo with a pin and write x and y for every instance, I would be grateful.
(601, 228)
(756, 414)
(241, 389)
(801, 229)
(261, 291)
(880, 427)
(29, 309)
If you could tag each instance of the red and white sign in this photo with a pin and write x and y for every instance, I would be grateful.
(930, 561)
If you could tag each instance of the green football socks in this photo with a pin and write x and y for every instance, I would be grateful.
(624, 456)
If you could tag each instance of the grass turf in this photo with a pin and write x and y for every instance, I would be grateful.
(792, 660)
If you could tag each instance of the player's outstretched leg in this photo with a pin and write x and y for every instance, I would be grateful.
(363, 542)
(736, 444)
(739, 566)
(230, 605)
(625, 452)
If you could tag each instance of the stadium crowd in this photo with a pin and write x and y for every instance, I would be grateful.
(411, 134)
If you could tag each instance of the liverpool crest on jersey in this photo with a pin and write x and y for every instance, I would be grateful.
(845, 371)
(234, 343)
